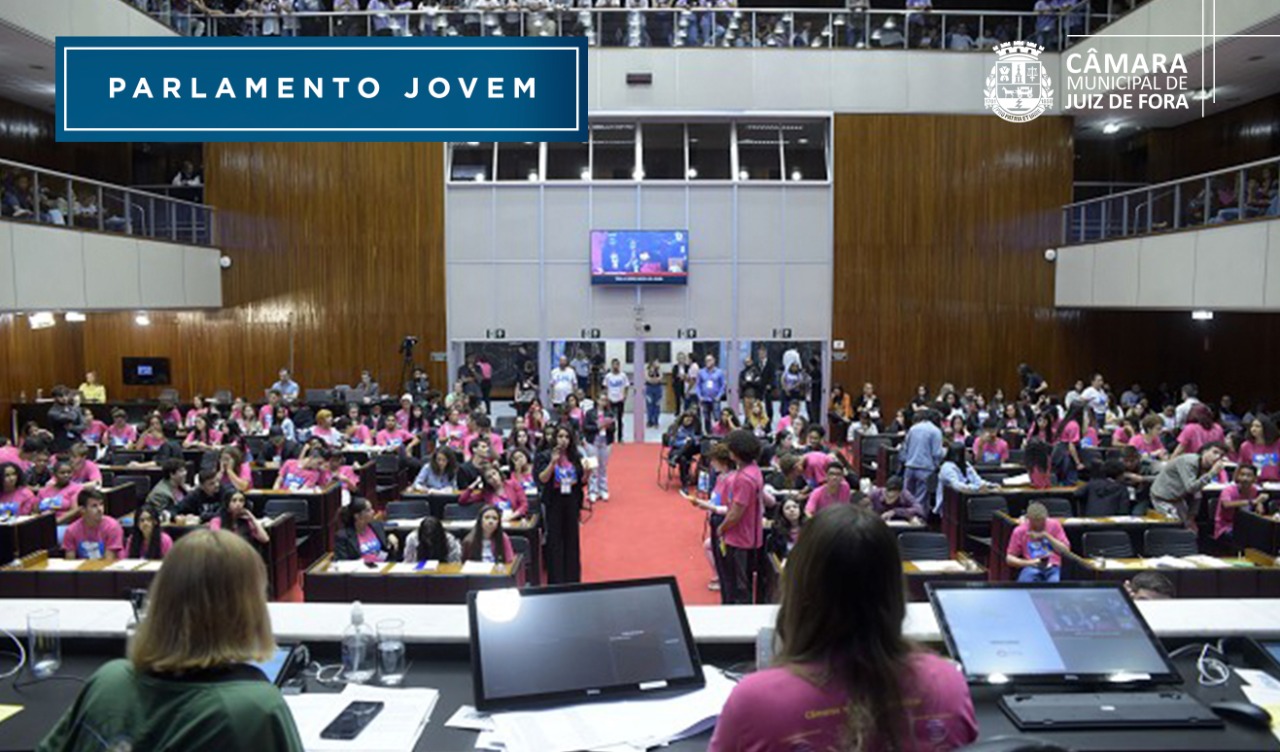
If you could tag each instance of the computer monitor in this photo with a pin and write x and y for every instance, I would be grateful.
(1066, 633)
(145, 371)
(574, 643)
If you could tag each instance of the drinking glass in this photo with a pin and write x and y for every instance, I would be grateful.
(392, 663)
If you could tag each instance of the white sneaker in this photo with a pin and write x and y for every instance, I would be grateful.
(604, 495)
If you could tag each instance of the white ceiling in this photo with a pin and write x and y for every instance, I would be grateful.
(19, 80)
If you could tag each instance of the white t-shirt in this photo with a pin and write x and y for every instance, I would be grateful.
(1096, 399)
(563, 382)
(615, 385)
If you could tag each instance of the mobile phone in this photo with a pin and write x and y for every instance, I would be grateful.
(352, 720)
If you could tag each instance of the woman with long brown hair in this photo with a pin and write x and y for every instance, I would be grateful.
(845, 677)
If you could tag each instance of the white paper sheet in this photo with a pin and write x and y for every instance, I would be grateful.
(467, 717)
(396, 729)
(934, 567)
(63, 565)
(1256, 678)
(477, 567)
(414, 567)
(126, 565)
(356, 566)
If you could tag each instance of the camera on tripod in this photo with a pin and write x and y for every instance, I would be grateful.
(407, 345)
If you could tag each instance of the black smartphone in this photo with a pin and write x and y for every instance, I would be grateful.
(352, 720)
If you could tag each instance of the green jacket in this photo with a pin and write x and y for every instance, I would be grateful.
(231, 709)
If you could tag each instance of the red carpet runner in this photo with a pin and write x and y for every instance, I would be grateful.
(643, 531)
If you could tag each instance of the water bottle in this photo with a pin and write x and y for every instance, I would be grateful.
(359, 648)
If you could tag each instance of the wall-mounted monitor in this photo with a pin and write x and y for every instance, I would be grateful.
(146, 371)
(639, 257)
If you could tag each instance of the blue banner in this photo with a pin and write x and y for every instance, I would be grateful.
(322, 89)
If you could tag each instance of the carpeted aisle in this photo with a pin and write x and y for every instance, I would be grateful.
(643, 531)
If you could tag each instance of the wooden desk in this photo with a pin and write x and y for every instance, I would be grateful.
(20, 536)
(955, 507)
(527, 528)
(1254, 575)
(960, 568)
(1075, 527)
(321, 527)
(378, 584)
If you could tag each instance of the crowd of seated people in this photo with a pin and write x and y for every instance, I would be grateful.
(52, 202)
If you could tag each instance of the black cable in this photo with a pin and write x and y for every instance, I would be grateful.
(19, 684)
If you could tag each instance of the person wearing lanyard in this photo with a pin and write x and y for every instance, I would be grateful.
(562, 478)
(653, 392)
(616, 386)
(710, 391)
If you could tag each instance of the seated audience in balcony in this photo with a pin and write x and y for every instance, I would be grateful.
(188, 175)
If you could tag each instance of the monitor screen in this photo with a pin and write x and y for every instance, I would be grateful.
(639, 257)
(1072, 632)
(273, 666)
(146, 371)
(579, 642)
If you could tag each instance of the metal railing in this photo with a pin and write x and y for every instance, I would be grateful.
(35, 194)
(1245, 191)
(663, 27)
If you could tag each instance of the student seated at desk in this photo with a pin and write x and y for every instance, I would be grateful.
(844, 670)
(1262, 448)
(487, 541)
(95, 431)
(14, 494)
(894, 503)
(1036, 546)
(204, 502)
(492, 489)
(1150, 586)
(957, 473)
(307, 472)
(439, 474)
(395, 437)
(521, 463)
(203, 435)
(187, 683)
(784, 533)
(153, 437)
(165, 495)
(361, 536)
(279, 448)
(147, 541)
(1036, 455)
(335, 469)
(60, 496)
(83, 470)
(431, 542)
(834, 490)
(989, 448)
(94, 535)
(234, 474)
(121, 434)
(325, 430)
(1242, 494)
(25, 454)
(1106, 495)
(236, 517)
(1149, 442)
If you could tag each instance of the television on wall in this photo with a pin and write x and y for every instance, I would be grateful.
(639, 257)
(146, 371)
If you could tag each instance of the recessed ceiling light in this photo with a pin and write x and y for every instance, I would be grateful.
(36, 66)
(1202, 94)
(1256, 58)
(1109, 129)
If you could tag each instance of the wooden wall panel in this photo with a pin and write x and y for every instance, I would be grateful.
(27, 135)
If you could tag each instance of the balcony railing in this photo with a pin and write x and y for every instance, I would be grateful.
(665, 27)
(34, 194)
(1246, 191)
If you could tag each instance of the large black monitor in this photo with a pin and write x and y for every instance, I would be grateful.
(1066, 633)
(574, 643)
(145, 371)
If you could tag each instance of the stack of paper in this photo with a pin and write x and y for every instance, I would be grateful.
(354, 566)
(63, 565)
(410, 524)
(615, 726)
(151, 566)
(934, 567)
(126, 565)
(404, 715)
(1017, 480)
(1171, 562)
(1209, 561)
(477, 567)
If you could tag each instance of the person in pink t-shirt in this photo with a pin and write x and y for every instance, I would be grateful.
(60, 496)
(14, 494)
(1242, 494)
(834, 490)
(813, 467)
(1036, 546)
(83, 470)
(989, 448)
(120, 433)
(742, 531)
(304, 473)
(844, 670)
(94, 535)
(396, 437)
(147, 541)
(1149, 442)
(1200, 429)
(335, 470)
(1262, 449)
(95, 431)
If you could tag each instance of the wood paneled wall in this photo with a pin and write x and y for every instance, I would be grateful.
(27, 135)
(337, 251)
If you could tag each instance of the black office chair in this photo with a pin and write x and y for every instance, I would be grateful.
(169, 395)
(458, 512)
(141, 486)
(386, 467)
(1169, 542)
(1016, 456)
(222, 397)
(520, 545)
(1058, 507)
(921, 546)
(407, 510)
(299, 508)
(981, 510)
(1110, 544)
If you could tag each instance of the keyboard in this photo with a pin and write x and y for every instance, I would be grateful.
(1108, 710)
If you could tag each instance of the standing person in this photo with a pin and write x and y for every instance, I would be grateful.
(653, 393)
(66, 421)
(768, 378)
(1036, 546)
(187, 682)
(485, 369)
(742, 531)
(526, 387)
(564, 380)
(1190, 397)
(922, 453)
(679, 376)
(845, 674)
(616, 386)
(1176, 490)
(562, 479)
(1096, 399)
(469, 376)
(1033, 384)
(813, 374)
(711, 386)
(598, 432)
(581, 365)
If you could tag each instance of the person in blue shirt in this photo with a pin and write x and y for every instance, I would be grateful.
(710, 391)
(922, 450)
(957, 473)
(287, 387)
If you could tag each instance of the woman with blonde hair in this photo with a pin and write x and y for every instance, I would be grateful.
(187, 683)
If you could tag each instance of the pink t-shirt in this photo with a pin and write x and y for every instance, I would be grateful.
(151, 441)
(1194, 436)
(1120, 437)
(991, 452)
(1264, 457)
(1089, 439)
(361, 435)
(775, 711)
(166, 542)
(453, 434)
(214, 438)
(13, 454)
(1069, 432)
(1021, 544)
(1145, 445)
(84, 542)
(50, 498)
(345, 474)
(815, 467)
(190, 420)
(1224, 517)
(118, 436)
(16, 502)
(95, 432)
(370, 546)
(396, 438)
(295, 476)
(820, 499)
(88, 473)
(744, 490)
(328, 435)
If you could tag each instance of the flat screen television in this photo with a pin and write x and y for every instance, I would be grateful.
(639, 257)
(146, 371)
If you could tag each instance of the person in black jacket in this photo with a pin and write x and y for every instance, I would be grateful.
(204, 502)
(363, 537)
(562, 479)
(1105, 495)
(768, 378)
(278, 448)
(66, 420)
